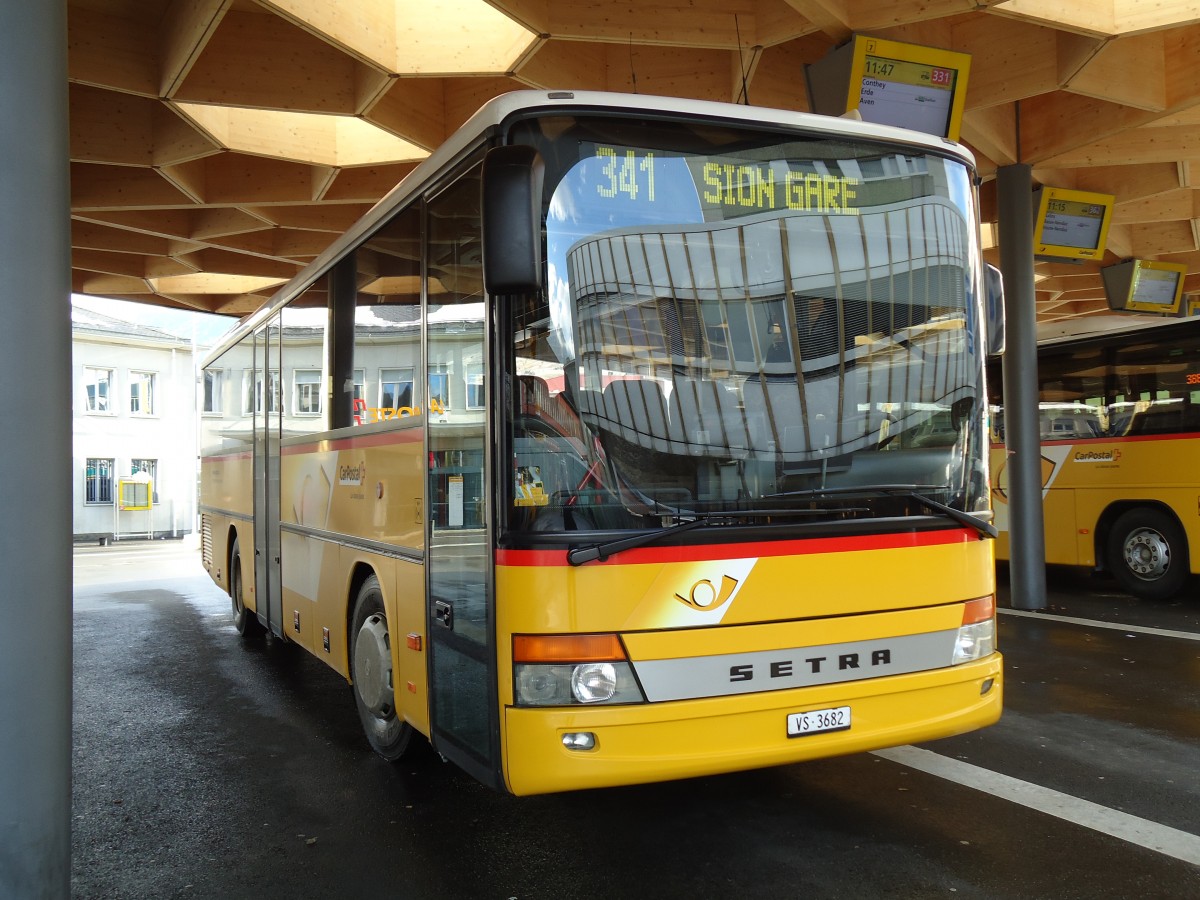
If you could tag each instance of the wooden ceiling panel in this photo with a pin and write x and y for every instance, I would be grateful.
(668, 72)
(113, 48)
(1009, 60)
(331, 217)
(414, 109)
(779, 77)
(111, 127)
(1154, 239)
(121, 187)
(582, 65)
(267, 62)
(91, 236)
(1129, 71)
(364, 183)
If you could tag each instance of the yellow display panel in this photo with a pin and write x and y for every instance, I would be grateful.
(893, 83)
(135, 494)
(1145, 286)
(1071, 225)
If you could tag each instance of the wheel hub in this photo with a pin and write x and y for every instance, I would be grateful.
(1147, 553)
(373, 666)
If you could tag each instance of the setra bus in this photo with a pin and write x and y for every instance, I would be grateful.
(1119, 420)
(627, 439)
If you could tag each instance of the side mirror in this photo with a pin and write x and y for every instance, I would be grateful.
(512, 220)
(994, 285)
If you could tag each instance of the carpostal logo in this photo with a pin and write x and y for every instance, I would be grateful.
(352, 476)
(1097, 456)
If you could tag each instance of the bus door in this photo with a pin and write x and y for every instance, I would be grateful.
(461, 620)
(268, 422)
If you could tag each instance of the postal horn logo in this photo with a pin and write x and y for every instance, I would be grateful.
(706, 596)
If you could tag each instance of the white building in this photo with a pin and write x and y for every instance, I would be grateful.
(134, 417)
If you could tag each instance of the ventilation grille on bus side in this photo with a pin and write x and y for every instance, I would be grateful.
(205, 541)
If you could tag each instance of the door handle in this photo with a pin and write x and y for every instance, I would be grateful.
(443, 613)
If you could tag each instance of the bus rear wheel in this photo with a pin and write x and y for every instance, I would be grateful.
(1148, 553)
(244, 620)
(372, 675)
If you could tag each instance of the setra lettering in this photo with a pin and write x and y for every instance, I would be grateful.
(786, 668)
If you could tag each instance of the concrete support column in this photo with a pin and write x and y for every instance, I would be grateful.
(35, 414)
(1026, 529)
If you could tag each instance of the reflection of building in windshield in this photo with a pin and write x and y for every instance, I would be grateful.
(806, 335)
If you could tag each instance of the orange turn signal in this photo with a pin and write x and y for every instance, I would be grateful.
(562, 648)
(979, 610)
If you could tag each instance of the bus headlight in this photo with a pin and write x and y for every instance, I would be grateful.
(594, 682)
(567, 685)
(565, 670)
(977, 635)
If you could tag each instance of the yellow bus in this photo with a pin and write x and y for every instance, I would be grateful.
(627, 439)
(1119, 419)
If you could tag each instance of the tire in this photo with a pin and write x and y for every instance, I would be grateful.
(244, 620)
(372, 677)
(1147, 553)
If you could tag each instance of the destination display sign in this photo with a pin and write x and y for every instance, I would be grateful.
(737, 187)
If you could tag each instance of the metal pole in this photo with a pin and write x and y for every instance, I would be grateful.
(36, 497)
(1026, 529)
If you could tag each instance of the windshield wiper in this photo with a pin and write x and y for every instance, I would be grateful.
(985, 528)
(912, 491)
(577, 556)
(580, 555)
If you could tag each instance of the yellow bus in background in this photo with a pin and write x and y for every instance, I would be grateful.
(627, 439)
(1119, 418)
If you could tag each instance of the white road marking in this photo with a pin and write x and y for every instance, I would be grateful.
(1160, 838)
(1096, 623)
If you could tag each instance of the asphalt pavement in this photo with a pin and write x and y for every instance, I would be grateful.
(206, 767)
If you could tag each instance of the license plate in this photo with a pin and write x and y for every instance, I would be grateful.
(816, 721)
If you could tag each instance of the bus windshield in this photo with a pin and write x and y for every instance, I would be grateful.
(744, 324)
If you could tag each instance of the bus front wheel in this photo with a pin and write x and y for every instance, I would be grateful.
(1147, 553)
(372, 674)
(244, 620)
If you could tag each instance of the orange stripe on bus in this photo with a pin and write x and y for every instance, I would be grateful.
(754, 549)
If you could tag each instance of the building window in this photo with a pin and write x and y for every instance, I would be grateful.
(97, 481)
(274, 393)
(252, 393)
(214, 381)
(306, 392)
(141, 393)
(395, 388)
(475, 389)
(247, 392)
(97, 384)
(439, 391)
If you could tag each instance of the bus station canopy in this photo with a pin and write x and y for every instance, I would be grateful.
(217, 146)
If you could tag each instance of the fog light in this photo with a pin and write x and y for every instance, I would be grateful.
(579, 740)
(594, 682)
(986, 686)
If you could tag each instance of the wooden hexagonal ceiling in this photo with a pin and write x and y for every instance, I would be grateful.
(217, 146)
